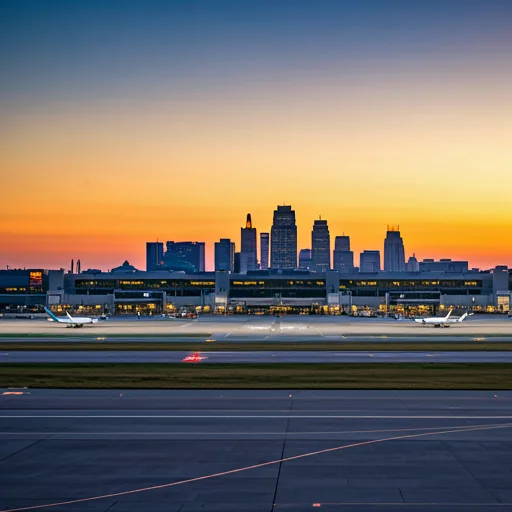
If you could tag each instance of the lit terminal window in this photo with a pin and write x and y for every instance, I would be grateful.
(470, 283)
(372, 283)
(237, 283)
(320, 283)
(250, 283)
(202, 283)
(131, 283)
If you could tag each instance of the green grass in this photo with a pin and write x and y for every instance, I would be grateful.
(102, 345)
(86, 333)
(259, 376)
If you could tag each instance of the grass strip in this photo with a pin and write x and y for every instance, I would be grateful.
(80, 333)
(255, 346)
(483, 376)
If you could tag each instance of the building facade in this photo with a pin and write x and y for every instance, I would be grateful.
(369, 261)
(394, 252)
(128, 291)
(248, 247)
(283, 241)
(343, 257)
(321, 246)
(225, 255)
(264, 250)
(305, 260)
(192, 252)
(154, 256)
(443, 265)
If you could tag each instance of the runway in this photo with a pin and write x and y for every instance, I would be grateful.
(191, 451)
(255, 357)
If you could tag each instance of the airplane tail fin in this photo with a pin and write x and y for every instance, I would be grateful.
(448, 315)
(51, 315)
(463, 317)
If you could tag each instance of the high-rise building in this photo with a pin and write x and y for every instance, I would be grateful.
(264, 246)
(321, 246)
(412, 264)
(343, 257)
(305, 261)
(154, 255)
(283, 241)
(236, 263)
(225, 255)
(394, 252)
(249, 247)
(369, 261)
(192, 252)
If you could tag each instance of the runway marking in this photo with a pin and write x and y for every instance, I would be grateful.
(252, 417)
(188, 433)
(255, 466)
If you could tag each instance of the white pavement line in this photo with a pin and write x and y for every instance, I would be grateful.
(227, 335)
(253, 417)
(255, 466)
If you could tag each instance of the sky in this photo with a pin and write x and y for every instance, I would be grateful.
(126, 121)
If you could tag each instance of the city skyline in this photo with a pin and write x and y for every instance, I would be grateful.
(171, 122)
(139, 256)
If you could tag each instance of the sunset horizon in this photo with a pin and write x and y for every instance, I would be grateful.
(173, 122)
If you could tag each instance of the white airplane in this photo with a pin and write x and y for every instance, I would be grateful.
(440, 321)
(70, 321)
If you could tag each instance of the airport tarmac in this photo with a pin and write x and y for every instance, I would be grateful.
(256, 451)
(295, 356)
(270, 328)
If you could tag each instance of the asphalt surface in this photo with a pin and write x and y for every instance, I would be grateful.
(254, 357)
(256, 451)
(281, 338)
(251, 327)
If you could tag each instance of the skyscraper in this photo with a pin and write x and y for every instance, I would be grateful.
(249, 247)
(283, 242)
(264, 246)
(154, 255)
(394, 253)
(192, 252)
(321, 246)
(225, 255)
(343, 257)
(369, 261)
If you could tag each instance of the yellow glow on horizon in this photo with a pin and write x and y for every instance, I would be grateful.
(99, 182)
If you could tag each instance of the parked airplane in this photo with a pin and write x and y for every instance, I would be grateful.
(71, 321)
(440, 321)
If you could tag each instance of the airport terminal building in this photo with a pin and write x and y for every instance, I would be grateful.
(129, 290)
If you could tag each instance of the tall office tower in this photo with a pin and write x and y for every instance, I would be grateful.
(305, 261)
(343, 257)
(321, 246)
(283, 241)
(154, 255)
(369, 261)
(394, 252)
(225, 255)
(236, 263)
(412, 264)
(192, 252)
(249, 247)
(264, 246)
